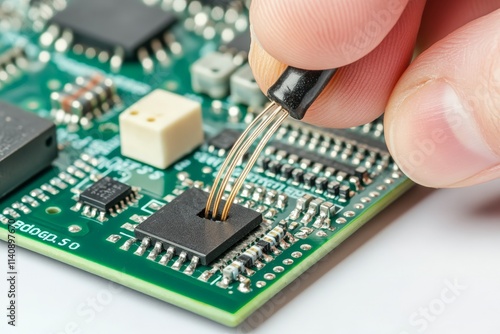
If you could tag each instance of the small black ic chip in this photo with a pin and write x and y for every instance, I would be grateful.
(108, 24)
(225, 139)
(181, 224)
(105, 194)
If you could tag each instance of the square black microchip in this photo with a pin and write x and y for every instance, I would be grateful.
(105, 194)
(107, 24)
(181, 224)
(225, 139)
(27, 145)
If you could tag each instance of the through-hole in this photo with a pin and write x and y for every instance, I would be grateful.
(53, 210)
(201, 214)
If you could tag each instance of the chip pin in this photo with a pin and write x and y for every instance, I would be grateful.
(167, 256)
(102, 216)
(116, 60)
(160, 53)
(126, 246)
(180, 261)
(155, 251)
(192, 266)
(143, 246)
(62, 43)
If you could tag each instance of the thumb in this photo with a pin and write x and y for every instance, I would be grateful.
(443, 118)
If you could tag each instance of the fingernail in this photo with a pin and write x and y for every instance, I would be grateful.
(436, 139)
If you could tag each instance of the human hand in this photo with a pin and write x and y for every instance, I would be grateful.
(442, 112)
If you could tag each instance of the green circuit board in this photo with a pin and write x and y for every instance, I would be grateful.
(314, 186)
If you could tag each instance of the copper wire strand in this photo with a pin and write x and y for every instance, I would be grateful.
(239, 154)
(241, 178)
(241, 144)
(249, 142)
(229, 157)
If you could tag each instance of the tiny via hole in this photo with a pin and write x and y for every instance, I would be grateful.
(201, 214)
(150, 119)
(53, 210)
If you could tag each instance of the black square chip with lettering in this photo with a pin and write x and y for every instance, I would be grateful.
(105, 194)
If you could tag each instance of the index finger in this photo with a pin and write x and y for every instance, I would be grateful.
(332, 32)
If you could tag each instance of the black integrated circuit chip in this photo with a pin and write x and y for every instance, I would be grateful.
(129, 24)
(315, 157)
(225, 139)
(360, 139)
(105, 194)
(27, 146)
(181, 224)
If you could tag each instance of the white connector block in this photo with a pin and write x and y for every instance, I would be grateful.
(160, 128)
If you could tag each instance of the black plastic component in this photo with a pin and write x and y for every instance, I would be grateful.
(129, 24)
(309, 179)
(266, 246)
(296, 89)
(105, 194)
(361, 173)
(315, 158)
(265, 163)
(225, 139)
(321, 183)
(333, 188)
(298, 175)
(345, 192)
(27, 146)
(246, 260)
(368, 141)
(274, 167)
(286, 171)
(181, 224)
(283, 225)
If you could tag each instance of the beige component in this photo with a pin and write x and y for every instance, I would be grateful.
(160, 128)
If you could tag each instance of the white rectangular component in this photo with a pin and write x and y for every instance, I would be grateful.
(160, 128)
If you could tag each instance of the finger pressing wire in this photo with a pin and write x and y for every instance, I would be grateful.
(291, 95)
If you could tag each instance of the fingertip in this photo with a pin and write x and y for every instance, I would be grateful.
(314, 34)
(359, 92)
(348, 100)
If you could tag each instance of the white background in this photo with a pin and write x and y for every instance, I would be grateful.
(379, 281)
